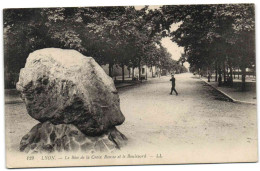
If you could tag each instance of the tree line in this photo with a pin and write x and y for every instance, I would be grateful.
(121, 36)
(217, 39)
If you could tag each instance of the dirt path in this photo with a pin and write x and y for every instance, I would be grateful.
(191, 127)
(198, 120)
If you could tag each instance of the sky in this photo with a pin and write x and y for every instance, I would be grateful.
(174, 49)
(171, 46)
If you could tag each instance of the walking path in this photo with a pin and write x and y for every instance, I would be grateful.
(234, 93)
(198, 123)
(12, 96)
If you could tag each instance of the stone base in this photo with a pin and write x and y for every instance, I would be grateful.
(47, 137)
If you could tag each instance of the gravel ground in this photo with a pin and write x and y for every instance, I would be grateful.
(235, 92)
(199, 120)
(187, 128)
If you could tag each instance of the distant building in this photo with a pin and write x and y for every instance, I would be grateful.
(116, 70)
(146, 72)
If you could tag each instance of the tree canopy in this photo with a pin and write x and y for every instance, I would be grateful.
(214, 37)
(220, 36)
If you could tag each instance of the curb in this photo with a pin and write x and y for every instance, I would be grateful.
(124, 86)
(128, 85)
(229, 97)
(132, 84)
(13, 102)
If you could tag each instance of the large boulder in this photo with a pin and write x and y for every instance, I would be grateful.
(66, 87)
(46, 137)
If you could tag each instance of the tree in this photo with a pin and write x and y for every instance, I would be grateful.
(215, 36)
(112, 35)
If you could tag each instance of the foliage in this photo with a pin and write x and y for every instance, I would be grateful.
(112, 35)
(218, 35)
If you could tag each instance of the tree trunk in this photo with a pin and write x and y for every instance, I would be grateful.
(133, 73)
(238, 73)
(208, 74)
(123, 73)
(129, 72)
(254, 72)
(152, 70)
(243, 68)
(216, 72)
(224, 72)
(231, 76)
(146, 68)
(110, 66)
(219, 77)
(139, 68)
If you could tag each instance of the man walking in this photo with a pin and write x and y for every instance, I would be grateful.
(173, 85)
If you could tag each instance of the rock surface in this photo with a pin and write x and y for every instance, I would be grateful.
(47, 137)
(65, 87)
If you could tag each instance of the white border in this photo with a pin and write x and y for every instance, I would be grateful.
(77, 3)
